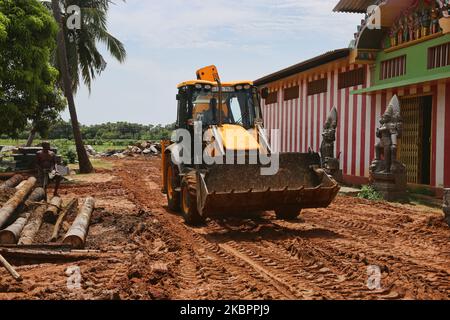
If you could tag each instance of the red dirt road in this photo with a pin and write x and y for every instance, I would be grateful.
(149, 253)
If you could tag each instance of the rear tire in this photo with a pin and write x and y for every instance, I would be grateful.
(288, 213)
(189, 200)
(173, 182)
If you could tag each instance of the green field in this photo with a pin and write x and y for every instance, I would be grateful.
(66, 148)
(63, 144)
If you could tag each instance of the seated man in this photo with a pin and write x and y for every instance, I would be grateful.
(47, 168)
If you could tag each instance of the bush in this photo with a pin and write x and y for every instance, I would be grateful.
(70, 156)
(369, 193)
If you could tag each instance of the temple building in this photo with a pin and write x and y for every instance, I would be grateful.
(406, 53)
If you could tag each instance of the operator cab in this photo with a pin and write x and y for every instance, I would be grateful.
(199, 101)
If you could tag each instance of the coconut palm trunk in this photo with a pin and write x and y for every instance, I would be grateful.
(31, 136)
(83, 158)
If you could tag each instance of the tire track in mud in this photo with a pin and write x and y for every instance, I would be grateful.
(413, 238)
(204, 270)
(325, 258)
(207, 271)
(422, 281)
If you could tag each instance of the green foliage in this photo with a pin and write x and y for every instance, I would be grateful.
(84, 57)
(369, 193)
(107, 133)
(70, 156)
(422, 191)
(27, 79)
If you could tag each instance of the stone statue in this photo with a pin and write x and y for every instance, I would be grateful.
(435, 15)
(411, 27)
(387, 174)
(330, 163)
(405, 29)
(444, 6)
(388, 133)
(417, 25)
(400, 30)
(425, 21)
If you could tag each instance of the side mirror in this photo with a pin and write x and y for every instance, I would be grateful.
(265, 93)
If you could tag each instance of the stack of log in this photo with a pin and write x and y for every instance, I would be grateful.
(23, 214)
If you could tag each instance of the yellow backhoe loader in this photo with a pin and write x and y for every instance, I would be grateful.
(214, 166)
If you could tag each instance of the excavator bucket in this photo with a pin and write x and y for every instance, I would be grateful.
(236, 189)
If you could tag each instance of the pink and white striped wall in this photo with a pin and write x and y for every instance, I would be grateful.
(300, 122)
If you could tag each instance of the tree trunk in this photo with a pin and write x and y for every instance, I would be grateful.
(76, 236)
(12, 182)
(51, 214)
(31, 137)
(17, 199)
(11, 234)
(83, 158)
(33, 226)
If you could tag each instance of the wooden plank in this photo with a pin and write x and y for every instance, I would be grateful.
(10, 269)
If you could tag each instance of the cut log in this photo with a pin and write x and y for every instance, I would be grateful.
(9, 175)
(51, 214)
(72, 205)
(37, 195)
(76, 236)
(20, 185)
(11, 234)
(10, 269)
(16, 200)
(12, 182)
(32, 227)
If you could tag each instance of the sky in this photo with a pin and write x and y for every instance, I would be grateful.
(167, 41)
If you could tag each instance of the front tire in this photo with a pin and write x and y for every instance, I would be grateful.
(288, 213)
(173, 183)
(189, 200)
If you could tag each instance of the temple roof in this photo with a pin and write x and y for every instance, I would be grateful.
(304, 66)
(354, 6)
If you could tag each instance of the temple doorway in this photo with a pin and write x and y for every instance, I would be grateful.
(415, 144)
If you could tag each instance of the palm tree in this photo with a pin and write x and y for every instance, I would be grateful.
(83, 158)
(78, 55)
(83, 56)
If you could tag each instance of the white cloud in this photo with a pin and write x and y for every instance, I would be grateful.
(167, 40)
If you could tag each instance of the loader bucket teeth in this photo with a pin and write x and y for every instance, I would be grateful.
(234, 189)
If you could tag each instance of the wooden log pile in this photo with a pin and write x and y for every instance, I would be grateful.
(23, 214)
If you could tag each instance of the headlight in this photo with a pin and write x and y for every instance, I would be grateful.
(239, 87)
(198, 86)
(208, 87)
(247, 86)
